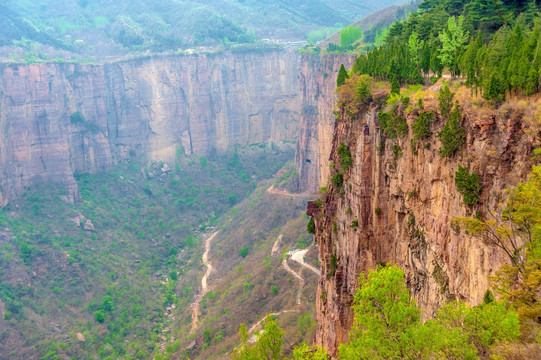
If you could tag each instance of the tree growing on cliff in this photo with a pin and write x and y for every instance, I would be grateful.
(452, 136)
(354, 94)
(445, 100)
(517, 231)
(468, 185)
(342, 76)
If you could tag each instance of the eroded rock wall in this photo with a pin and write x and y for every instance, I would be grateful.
(317, 83)
(203, 104)
(404, 204)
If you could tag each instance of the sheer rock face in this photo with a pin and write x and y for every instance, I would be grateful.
(203, 104)
(404, 206)
(318, 83)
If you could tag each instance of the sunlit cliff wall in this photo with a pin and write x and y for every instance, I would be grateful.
(201, 104)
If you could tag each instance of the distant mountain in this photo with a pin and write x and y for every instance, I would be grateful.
(105, 27)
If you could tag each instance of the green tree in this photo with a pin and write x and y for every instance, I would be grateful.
(384, 314)
(311, 226)
(268, 343)
(395, 86)
(99, 316)
(342, 76)
(387, 324)
(453, 135)
(445, 99)
(243, 251)
(468, 185)
(305, 352)
(274, 290)
(452, 39)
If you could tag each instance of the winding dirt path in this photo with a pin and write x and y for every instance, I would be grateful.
(299, 278)
(254, 327)
(195, 306)
(298, 256)
(273, 190)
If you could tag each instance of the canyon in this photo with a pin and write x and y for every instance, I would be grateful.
(205, 104)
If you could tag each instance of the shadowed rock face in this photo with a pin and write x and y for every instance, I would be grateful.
(404, 205)
(318, 84)
(201, 104)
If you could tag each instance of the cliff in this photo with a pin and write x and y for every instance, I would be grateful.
(404, 198)
(203, 104)
(317, 85)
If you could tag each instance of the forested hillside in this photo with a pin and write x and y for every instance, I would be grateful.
(494, 47)
(106, 28)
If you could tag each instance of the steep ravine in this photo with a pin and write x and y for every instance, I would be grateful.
(404, 206)
(152, 107)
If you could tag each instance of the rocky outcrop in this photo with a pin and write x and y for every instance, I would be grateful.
(317, 85)
(200, 104)
(397, 203)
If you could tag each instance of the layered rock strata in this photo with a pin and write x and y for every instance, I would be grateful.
(397, 204)
(201, 104)
(317, 84)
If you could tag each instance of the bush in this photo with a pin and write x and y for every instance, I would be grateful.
(243, 251)
(337, 180)
(345, 157)
(468, 185)
(99, 316)
(274, 290)
(392, 126)
(311, 226)
(77, 118)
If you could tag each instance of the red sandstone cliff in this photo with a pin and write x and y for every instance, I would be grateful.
(149, 107)
(404, 206)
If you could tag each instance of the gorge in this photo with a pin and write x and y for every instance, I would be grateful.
(396, 203)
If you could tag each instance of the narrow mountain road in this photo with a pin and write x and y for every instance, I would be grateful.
(298, 256)
(299, 278)
(273, 190)
(254, 327)
(195, 306)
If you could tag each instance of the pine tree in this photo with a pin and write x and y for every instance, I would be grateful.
(342, 76)
(445, 97)
(452, 136)
(395, 86)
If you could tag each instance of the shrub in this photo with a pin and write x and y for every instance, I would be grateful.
(311, 226)
(468, 185)
(337, 180)
(332, 266)
(99, 316)
(392, 126)
(354, 223)
(274, 290)
(243, 251)
(345, 157)
(77, 118)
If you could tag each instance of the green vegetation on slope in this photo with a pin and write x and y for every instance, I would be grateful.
(107, 266)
